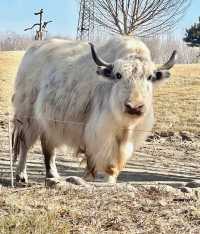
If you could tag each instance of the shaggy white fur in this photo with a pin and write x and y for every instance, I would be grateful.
(59, 97)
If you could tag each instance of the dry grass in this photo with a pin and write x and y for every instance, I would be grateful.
(146, 209)
(9, 62)
(177, 104)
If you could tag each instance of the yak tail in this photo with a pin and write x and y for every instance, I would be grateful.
(18, 138)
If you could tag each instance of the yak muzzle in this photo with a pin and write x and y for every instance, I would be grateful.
(134, 109)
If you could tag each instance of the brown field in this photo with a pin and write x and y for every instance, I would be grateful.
(168, 160)
(9, 62)
(177, 104)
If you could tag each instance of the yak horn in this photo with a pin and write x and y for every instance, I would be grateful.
(99, 62)
(170, 63)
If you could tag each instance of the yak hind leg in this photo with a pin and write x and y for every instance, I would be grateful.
(24, 136)
(21, 172)
(48, 150)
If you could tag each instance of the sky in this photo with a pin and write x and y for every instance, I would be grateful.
(15, 15)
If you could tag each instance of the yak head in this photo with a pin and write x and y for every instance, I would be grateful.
(134, 78)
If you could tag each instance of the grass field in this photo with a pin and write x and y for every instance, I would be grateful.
(177, 104)
(137, 209)
(9, 62)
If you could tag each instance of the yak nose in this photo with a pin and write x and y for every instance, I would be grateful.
(132, 109)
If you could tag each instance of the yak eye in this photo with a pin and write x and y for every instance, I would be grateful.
(118, 76)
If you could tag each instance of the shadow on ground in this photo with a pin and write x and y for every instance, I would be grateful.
(36, 173)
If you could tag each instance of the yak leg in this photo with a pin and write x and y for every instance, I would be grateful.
(89, 174)
(21, 173)
(48, 150)
(113, 169)
(26, 135)
(126, 149)
(112, 173)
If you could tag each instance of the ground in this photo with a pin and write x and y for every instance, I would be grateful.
(152, 195)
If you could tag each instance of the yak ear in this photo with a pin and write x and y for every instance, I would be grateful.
(159, 77)
(162, 73)
(105, 72)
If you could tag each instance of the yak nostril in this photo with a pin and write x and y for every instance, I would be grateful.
(134, 109)
(129, 105)
(139, 107)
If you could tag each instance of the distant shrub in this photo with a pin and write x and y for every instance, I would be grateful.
(13, 41)
(160, 46)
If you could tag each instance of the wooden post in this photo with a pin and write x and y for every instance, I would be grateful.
(42, 26)
(39, 32)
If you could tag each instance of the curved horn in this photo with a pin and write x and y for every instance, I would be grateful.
(170, 63)
(99, 62)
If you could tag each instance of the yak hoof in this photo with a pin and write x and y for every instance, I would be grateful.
(89, 177)
(52, 174)
(110, 179)
(22, 178)
(77, 181)
(54, 182)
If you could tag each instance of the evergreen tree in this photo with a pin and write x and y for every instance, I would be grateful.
(192, 37)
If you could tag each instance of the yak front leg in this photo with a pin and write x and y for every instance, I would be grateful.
(90, 173)
(112, 172)
(125, 152)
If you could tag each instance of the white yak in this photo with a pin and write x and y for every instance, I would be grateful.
(66, 94)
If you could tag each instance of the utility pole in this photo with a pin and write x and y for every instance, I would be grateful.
(85, 29)
(42, 26)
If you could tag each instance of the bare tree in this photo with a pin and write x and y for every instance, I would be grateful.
(139, 17)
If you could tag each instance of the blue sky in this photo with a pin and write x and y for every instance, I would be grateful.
(15, 15)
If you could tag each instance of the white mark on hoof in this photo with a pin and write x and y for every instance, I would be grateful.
(22, 178)
(110, 179)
